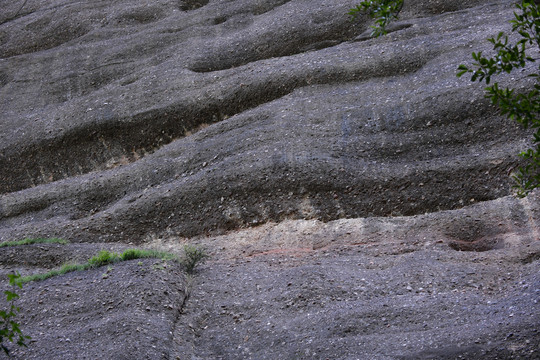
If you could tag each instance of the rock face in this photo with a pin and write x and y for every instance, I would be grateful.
(122, 120)
(372, 288)
(353, 193)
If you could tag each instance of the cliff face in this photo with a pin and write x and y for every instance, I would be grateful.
(123, 119)
(353, 193)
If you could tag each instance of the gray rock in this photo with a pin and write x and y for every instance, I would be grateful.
(188, 117)
(373, 185)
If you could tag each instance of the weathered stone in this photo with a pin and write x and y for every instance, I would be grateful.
(146, 122)
(123, 120)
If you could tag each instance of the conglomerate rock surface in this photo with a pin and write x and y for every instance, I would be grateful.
(135, 121)
(300, 115)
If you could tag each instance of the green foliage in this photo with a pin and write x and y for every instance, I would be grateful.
(104, 257)
(132, 254)
(33, 241)
(382, 11)
(193, 256)
(521, 107)
(9, 328)
(63, 270)
(106, 274)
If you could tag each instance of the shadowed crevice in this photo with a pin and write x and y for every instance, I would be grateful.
(188, 5)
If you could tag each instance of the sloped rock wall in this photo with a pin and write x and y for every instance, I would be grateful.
(124, 119)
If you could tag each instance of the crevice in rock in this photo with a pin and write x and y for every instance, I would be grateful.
(218, 58)
(390, 29)
(188, 5)
(17, 13)
(219, 20)
(188, 287)
(531, 257)
(140, 15)
(479, 245)
(214, 63)
(470, 234)
(58, 36)
(4, 79)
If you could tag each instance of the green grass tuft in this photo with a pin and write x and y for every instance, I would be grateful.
(193, 256)
(104, 257)
(132, 254)
(63, 270)
(34, 241)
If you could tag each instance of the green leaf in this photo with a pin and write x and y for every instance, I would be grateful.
(10, 296)
(523, 107)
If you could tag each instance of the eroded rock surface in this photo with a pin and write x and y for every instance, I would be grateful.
(373, 288)
(121, 120)
(353, 193)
